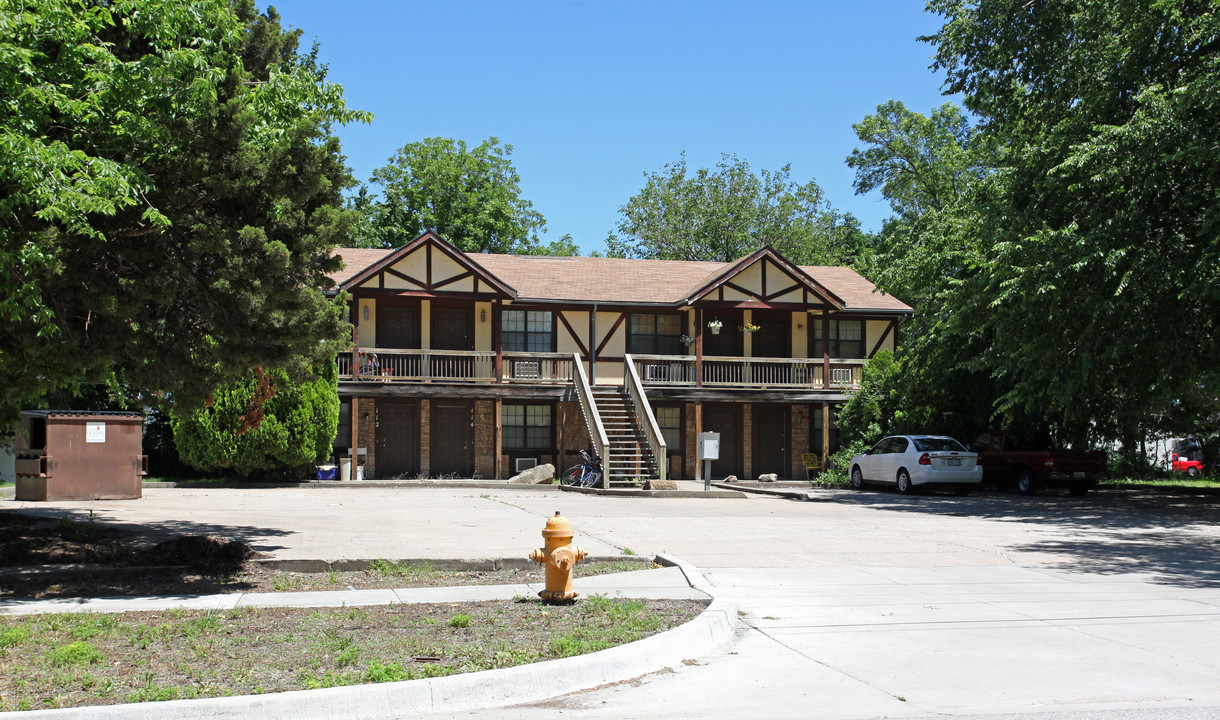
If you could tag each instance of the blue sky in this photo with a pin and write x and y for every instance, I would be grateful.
(592, 95)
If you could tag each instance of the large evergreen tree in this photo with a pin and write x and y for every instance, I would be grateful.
(169, 195)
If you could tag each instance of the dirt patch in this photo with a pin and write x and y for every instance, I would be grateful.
(130, 565)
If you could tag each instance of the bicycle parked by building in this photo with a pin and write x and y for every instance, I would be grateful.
(587, 474)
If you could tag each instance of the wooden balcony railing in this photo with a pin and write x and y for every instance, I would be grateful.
(394, 365)
(746, 372)
(479, 366)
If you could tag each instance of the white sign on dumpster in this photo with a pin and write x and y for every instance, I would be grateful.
(95, 432)
(709, 446)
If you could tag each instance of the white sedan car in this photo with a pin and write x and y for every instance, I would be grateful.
(907, 461)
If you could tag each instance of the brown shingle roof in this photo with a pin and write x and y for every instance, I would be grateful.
(856, 291)
(627, 281)
(355, 260)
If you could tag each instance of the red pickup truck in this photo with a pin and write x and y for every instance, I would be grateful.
(1031, 462)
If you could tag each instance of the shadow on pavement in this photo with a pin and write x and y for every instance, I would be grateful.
(1169, 537)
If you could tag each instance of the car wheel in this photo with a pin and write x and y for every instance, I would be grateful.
(1192, 472)
(857, 479)
(1079, 490)
(1025, 483)
(904, 483)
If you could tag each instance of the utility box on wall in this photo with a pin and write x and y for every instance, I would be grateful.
(80, 455)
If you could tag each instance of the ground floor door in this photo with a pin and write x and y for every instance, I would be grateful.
(397, 438)
(452, 438)
(726, 420)
(771, 440)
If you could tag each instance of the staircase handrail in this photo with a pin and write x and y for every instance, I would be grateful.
(593, 420)
(643, 410)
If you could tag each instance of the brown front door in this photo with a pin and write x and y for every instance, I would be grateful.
(452, 438)
(397, 327)
(397, 438)
(726, 420)
(452, 328)
(771, 440)
(774, 337)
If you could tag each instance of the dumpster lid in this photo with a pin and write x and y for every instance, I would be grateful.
(82, 413)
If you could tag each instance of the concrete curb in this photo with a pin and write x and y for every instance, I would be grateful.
(814, 496)
(467, 564)
(612, 492)
(321, 566)
(712, 630)
(694, 578)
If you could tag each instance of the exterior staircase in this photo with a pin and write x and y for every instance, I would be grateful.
(629, 456)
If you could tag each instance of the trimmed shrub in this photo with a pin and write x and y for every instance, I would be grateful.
(283, 436)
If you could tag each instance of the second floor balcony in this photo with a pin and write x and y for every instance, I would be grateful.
(551, 368)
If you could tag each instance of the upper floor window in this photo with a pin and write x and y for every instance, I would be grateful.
(656, 334)
(528, 330)
(846, 338)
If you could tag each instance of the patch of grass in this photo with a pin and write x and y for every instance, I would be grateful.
(388, 569)
(154, 656)
(628, 551)
(606, 567)
(73, 654)
(1171, 482)
(284, 583)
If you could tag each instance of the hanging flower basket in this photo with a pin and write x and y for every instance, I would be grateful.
(714, 326)
(750, 328)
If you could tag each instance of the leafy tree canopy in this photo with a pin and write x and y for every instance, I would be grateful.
(725, 213)
(1098, 273)
(469, 196)
(169, 194)
(933, 169)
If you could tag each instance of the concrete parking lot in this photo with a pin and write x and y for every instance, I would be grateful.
(855, 604)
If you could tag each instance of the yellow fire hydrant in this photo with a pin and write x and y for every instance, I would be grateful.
(558, 556)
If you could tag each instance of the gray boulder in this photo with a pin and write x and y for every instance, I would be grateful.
(535, 476)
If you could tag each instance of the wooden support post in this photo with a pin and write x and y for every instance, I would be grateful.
(698, 350)
(496, 329)
(825, 433)
(825, 350)
(355, 438)
(499, 444)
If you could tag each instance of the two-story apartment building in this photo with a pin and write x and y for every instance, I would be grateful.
(475, 365)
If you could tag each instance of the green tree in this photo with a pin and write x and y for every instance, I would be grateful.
(169, 195)
(469, 196)
(934, 170)
(726, 213)
(263, 425)
(1100, 263)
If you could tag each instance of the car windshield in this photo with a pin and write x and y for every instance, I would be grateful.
(932, 444)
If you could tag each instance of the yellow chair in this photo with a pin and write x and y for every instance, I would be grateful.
(813, 463)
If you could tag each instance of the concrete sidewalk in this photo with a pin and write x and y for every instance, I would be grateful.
(665, 583)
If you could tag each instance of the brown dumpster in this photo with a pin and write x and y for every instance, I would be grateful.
(80, 455)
